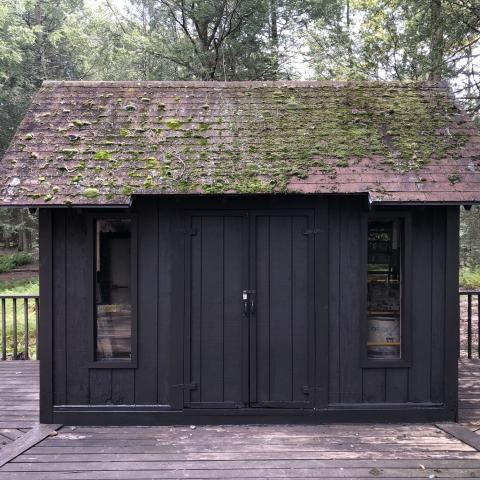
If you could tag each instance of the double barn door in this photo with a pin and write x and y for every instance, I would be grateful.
(249, 309)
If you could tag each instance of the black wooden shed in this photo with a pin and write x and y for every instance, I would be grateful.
(246, 252)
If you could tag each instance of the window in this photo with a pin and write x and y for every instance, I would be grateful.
(113, 312)
(384, 289)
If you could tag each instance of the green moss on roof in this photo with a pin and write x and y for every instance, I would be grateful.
(352, 123)
(102, 155)
(81, 123)
(90, 192)
(69, 152)
(173, 124)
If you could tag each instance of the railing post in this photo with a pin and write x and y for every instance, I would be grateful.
(37, 315)
(478, 325)
(25, 318)
(4, 330)
(469, 325)
(10, 342)
(15, 340)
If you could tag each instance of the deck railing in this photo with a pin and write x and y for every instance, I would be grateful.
(470, 323)
(19, 326)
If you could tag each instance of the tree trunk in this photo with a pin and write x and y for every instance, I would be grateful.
(41, 39)
(436, 42)
(350, 53)
(274, 38)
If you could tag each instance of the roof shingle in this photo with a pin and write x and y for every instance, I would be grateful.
(93, 143)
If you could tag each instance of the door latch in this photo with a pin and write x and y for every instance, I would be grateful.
(248, 301)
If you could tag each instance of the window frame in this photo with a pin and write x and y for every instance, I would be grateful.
(92, 226)
(405, 300)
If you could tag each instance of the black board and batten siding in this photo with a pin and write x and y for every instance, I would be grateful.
(290, 352)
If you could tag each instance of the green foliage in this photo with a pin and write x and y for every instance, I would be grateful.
(470, 237)
(20, 287)
(398, 40)
(470, 277)
(229, 40)
(11, 262)
(18, 229)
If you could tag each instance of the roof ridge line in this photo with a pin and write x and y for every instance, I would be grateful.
(236, 83)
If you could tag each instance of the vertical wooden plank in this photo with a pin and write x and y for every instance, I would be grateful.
(280, 321)
(212, 304)
(300, 308)
(195, 288)
(79, 306)
(320, 286)
(438, 310)
(374, 385)
(452, 313)
(45, 333)
(260, 345)
(419, 383)
(147, 316)
(123, 386)
(100, 386)
(334, 219)
(163, 306)
(396, 388)
(233, 318)
(25, 322)
(59, 308)
(174, 306)
(352, 303)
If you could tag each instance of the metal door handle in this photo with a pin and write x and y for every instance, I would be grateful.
(246, 307)
(246, 303)
(248, 298)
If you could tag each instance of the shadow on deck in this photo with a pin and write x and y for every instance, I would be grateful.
(235, 452)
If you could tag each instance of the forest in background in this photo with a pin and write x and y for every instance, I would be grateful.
(235, 40)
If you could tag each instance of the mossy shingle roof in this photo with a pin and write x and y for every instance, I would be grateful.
(91, 143)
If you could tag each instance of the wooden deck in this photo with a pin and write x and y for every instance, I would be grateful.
(469, 392)
(236, 452)
(19, 391)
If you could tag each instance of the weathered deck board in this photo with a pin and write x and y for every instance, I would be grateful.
(25, 441)
(469, 392)
(324, 451)
(19, 393)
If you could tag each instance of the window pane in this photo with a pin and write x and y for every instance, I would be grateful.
(384, 289)
(113, 290)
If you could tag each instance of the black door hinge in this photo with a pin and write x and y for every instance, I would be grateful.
(187, 386)
(312, 231)
(307, 390)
